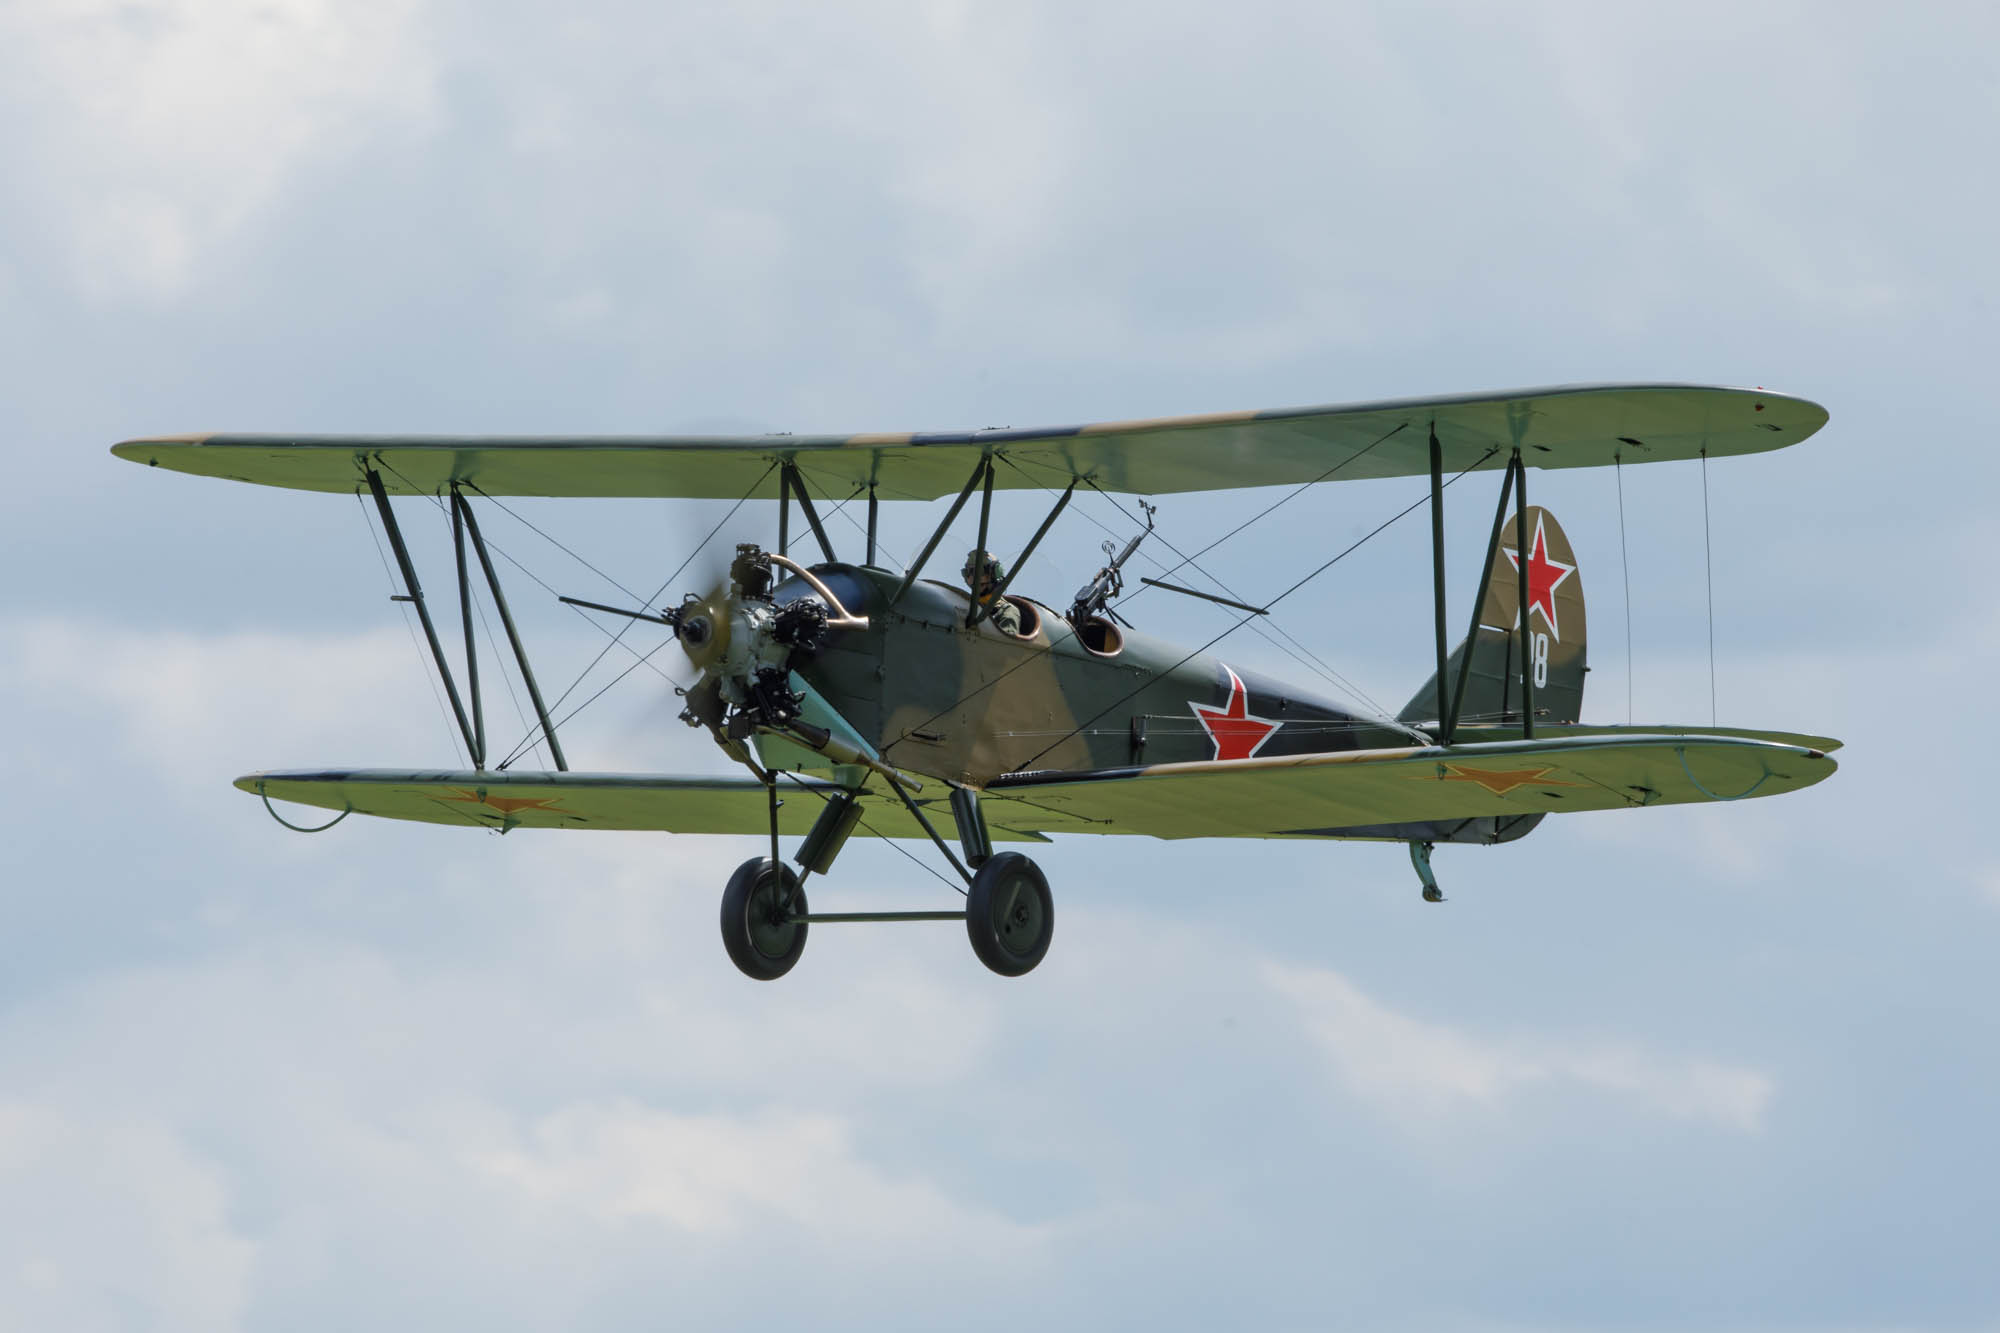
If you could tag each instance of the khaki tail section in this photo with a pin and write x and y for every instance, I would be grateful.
(1556, 658)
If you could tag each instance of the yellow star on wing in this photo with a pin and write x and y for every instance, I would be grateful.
(506, 805)
(1501, 781)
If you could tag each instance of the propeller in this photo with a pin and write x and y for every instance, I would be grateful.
(745, 647)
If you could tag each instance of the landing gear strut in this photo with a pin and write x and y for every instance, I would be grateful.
(1420, 857)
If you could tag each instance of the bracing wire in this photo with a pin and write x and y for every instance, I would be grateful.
(1298, 651)
(1258, 517)
(423, 658)
(616, 640)
(1315, 573)
(560, 722)
(529, 741)
(1310, 660)
(1027, 661)
(619, 638)
(840, 511)
(872, 831)
(524, 522)
(506, 678)
(668, 581)
(1625, 564)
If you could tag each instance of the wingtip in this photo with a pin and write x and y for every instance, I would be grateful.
(147, 448)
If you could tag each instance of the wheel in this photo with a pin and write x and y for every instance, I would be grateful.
(760, 942)
(1009, 914)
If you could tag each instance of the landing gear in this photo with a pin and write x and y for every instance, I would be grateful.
(760, 928)
(1420, 857)
(1009, 914)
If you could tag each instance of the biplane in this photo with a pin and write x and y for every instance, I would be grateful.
(890, 705)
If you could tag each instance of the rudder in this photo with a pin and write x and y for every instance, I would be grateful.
(1556, 636)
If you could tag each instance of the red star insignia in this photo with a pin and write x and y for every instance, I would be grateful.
(1236, 733)
(1544, 577)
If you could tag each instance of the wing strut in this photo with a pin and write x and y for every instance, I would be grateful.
(465, 616)
(980, 610)
(415, 595)
(1437, 576)
(983, 469)
(1472, 630)
(1521, 546)
(513, 635)
(785, 509)
(985, 516)
(796, 487)
(874, 511)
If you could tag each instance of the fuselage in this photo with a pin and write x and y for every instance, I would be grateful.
(970, 705)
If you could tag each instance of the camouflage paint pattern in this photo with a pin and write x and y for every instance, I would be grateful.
(969, 705)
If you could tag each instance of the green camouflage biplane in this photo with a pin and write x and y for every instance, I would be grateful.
(890, 702)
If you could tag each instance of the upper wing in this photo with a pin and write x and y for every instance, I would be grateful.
(1322, 794)
(594, 801)
(1571, 426)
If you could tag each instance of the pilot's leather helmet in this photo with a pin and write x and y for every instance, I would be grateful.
(980, 568)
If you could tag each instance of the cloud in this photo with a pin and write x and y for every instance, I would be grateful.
(230, 703)
(190, 702)
(161, 127)
(451, 1127)
(732, 1177)
(1405, 1064)
(113, 1223)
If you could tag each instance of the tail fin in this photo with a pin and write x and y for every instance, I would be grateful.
(1556, 658)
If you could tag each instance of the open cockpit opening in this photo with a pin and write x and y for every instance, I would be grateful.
(1031, 617)
(1101, 637)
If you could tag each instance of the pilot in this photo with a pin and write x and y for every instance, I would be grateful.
(982, 574)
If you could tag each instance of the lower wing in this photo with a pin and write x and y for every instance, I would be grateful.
(646, 801)
(1320, 795)
(1340, 794)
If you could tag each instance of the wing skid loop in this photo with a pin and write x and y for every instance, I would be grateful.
(272, 810)
(1745, 794)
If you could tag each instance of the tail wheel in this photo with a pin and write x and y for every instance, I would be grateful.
(756, 905)
(1009, 914)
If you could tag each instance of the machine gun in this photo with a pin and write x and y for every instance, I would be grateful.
(1094, 597)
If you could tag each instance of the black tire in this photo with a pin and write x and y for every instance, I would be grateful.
(762, 946)
(1009, 915)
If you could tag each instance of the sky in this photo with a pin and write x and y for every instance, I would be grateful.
(1727, 1068)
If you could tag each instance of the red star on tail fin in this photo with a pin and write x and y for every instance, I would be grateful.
(1544, 577)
